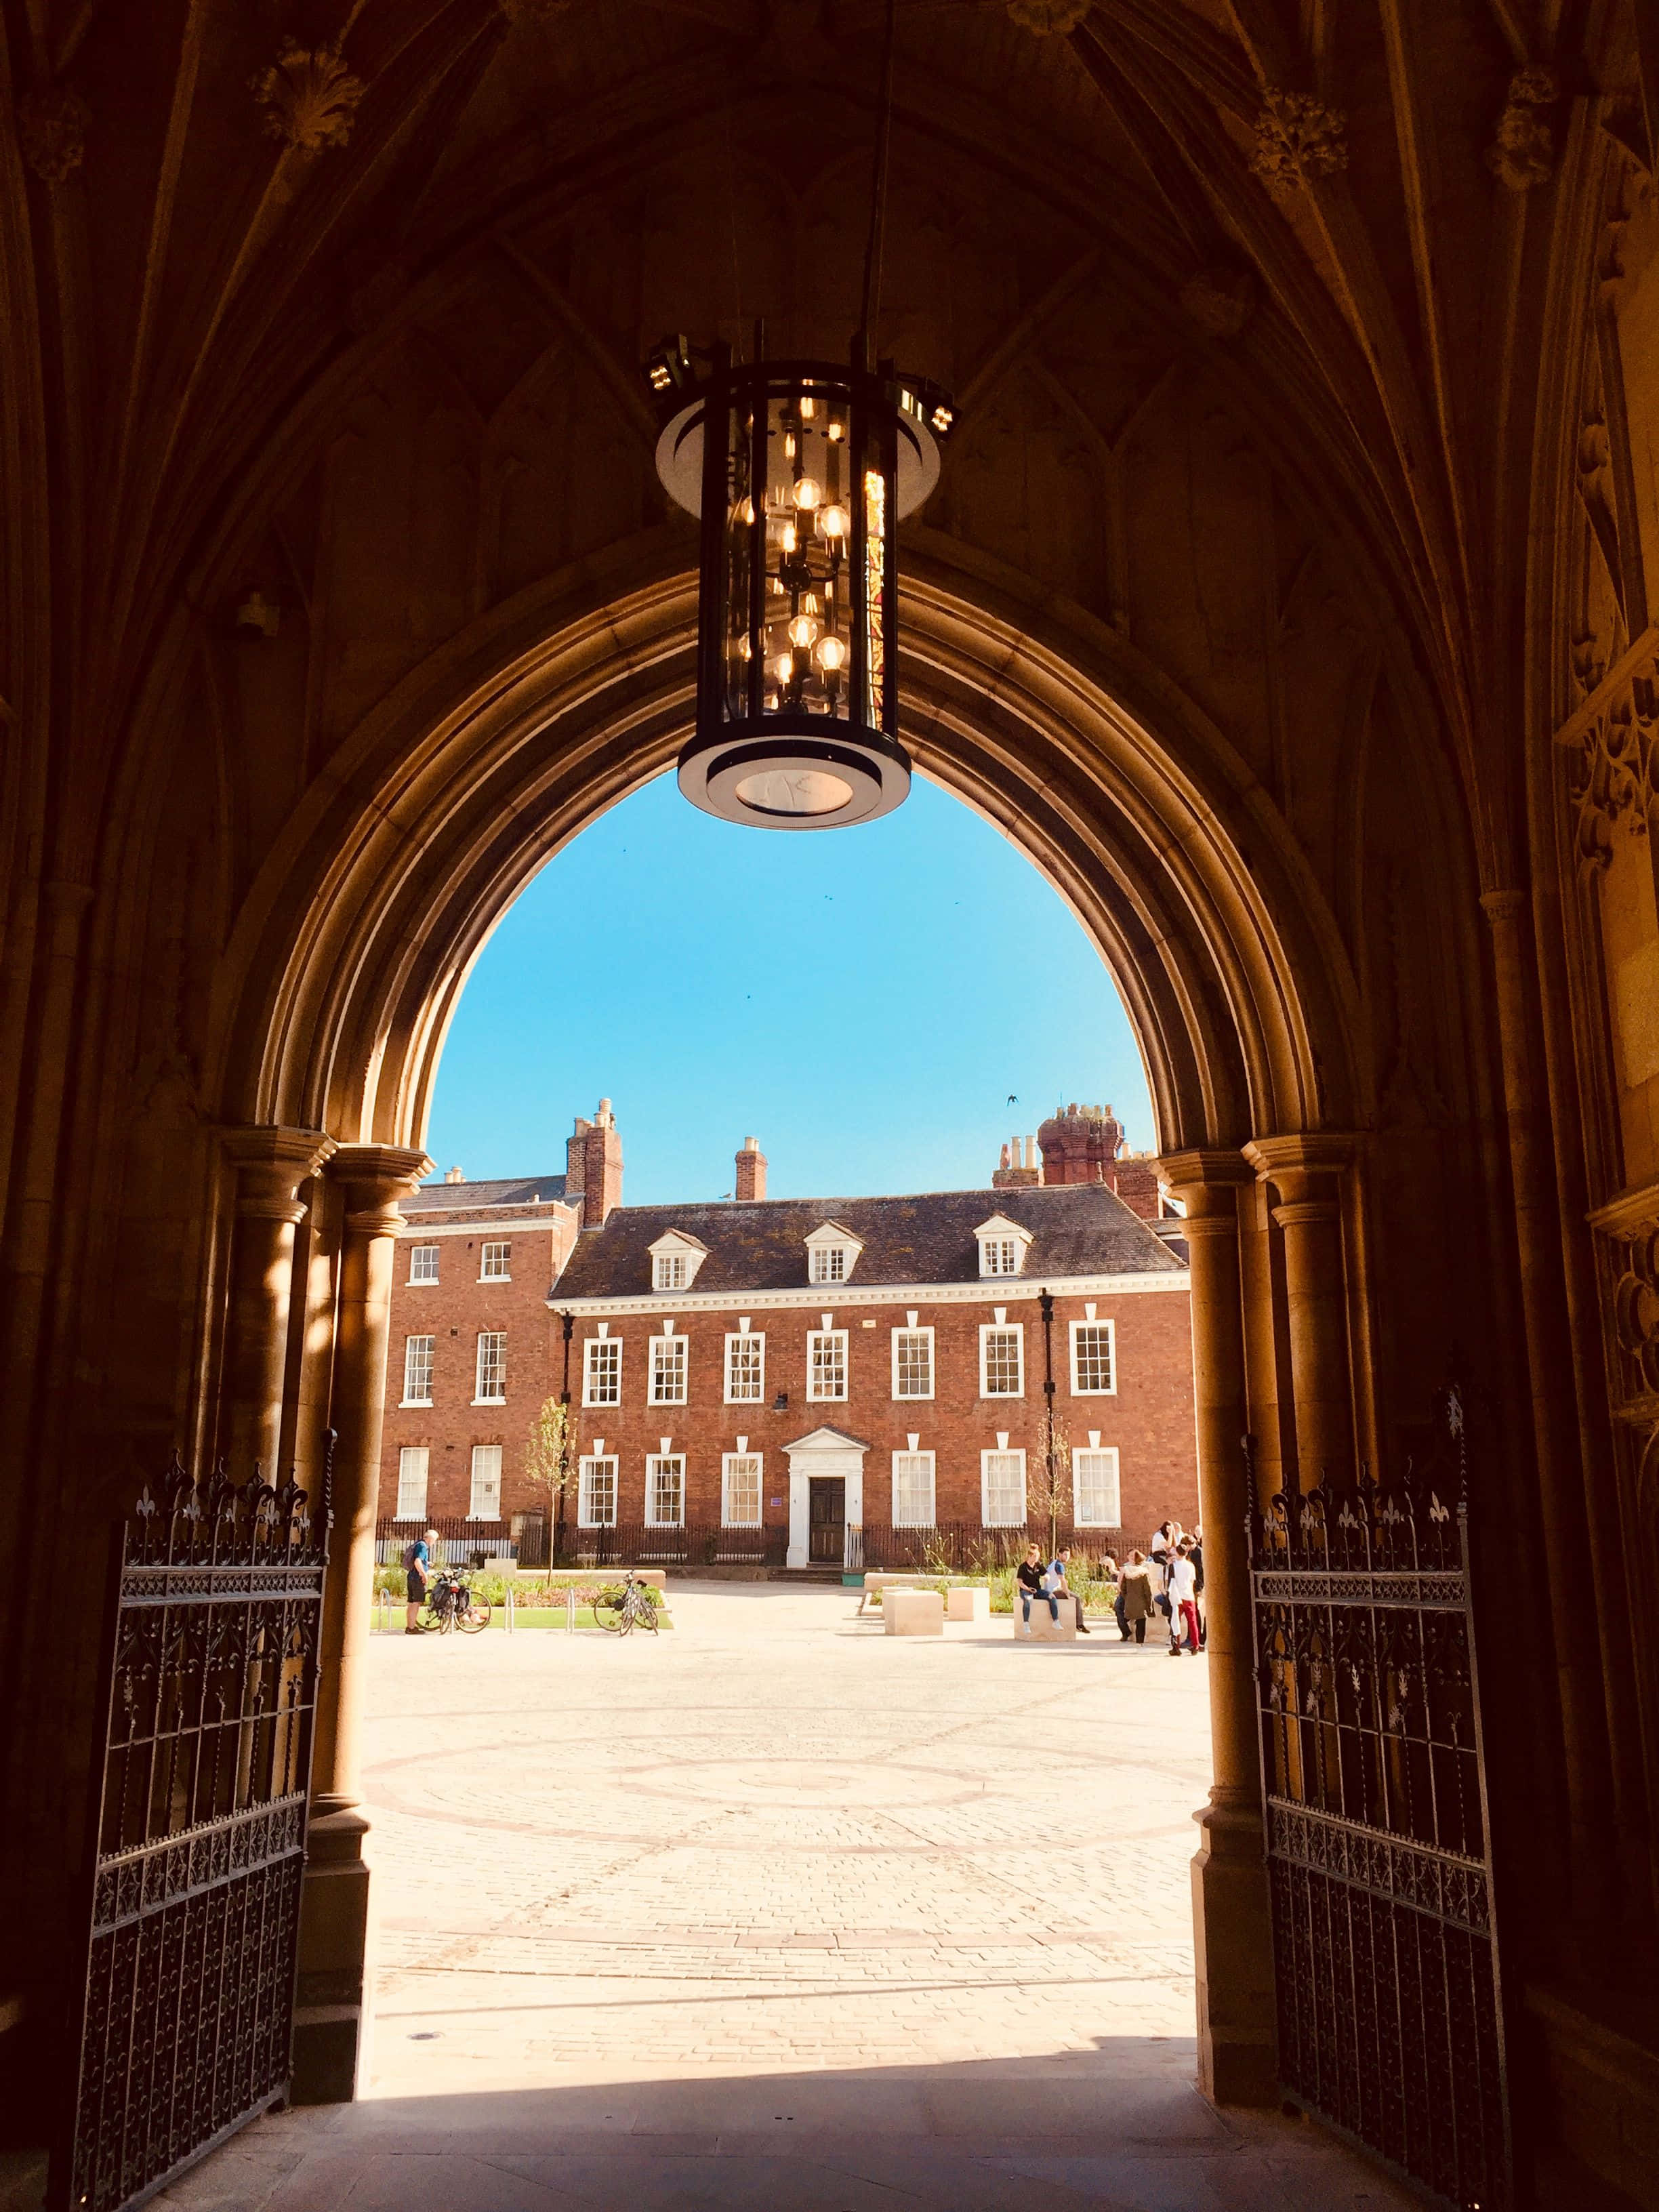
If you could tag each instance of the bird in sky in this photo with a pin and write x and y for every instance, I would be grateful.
(1013, 1100)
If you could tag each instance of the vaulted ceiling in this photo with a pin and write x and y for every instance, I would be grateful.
(214, 214)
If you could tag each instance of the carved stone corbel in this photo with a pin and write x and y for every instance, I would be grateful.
(1522, 151)
(52, 130)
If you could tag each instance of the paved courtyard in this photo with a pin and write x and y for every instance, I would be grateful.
(777, 1910)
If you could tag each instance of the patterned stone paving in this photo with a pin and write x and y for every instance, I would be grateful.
(645, 1904)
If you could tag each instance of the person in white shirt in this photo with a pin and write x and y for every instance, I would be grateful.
(1183, 1600)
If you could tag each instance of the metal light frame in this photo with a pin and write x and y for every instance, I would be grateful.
(797, 724)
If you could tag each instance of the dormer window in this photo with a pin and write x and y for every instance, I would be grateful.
(1003, 1245)
(832, 1253)
(675, 1259)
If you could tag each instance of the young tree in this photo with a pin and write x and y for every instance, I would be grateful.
(550, 1464)
(1051, 1490)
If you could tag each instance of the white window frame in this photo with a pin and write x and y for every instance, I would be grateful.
(1000, 1255)
(502, 1271)
(987, 1329)
(587, 1469)
(815, 1337)
(730, 1462)
(905, 1519)
(413, 1458)
(756, 1340)
(480, 1397)
(678, 1368)
(654, 1464)
(420, 1255)
(985, 1459)
(915, 1397)
(1115, 1518)
(671, 1271)
(830, 1263)
(411, 1361)
(1093, 1390)
(589, 1363)
(492, 1488)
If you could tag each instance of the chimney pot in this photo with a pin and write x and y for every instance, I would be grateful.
(750, 1185)
(453, 1175)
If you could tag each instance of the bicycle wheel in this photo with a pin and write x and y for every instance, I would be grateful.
(615, 1618)
(646, 1615)
(476, 1616)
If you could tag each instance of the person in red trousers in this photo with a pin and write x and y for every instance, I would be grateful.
(1183, 1600)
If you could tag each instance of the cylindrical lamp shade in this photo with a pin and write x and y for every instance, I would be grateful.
(799, 472)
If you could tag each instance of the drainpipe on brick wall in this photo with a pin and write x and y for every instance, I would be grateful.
(1046, 1301)
(555, 1534)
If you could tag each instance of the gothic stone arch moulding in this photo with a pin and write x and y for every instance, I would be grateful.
(350, 955)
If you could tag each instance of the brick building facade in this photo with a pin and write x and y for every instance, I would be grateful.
(800, 1368)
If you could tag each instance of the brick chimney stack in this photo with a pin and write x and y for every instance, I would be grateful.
(593, 1166)
(752, 1171)
(602, 1167)
(1080, 1145)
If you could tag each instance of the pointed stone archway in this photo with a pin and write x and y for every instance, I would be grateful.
(354, 947)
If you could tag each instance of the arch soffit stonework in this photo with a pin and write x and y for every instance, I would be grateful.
(355, 943)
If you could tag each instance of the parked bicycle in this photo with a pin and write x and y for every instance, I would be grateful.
(450, 1604)
(634, 1607)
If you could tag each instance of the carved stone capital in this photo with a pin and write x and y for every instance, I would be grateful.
(309, 96)
(374, 1177)
(1612, 750)
(1502, 907)
(52, 130)
(271, 1163)
(1317, 1153)
(1201, 1169)
(1297, 138)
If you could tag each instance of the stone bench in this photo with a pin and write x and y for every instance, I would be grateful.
(1044, 1628)
(968, 1602)
(913, 1613)
(886, 1578)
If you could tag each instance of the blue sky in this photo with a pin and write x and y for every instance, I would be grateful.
(861, 1000)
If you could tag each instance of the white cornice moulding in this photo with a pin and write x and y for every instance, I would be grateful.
(650, 1304)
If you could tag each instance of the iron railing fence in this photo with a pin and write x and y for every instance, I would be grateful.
(952, 1547)
(458, 1540)
(961, 1547)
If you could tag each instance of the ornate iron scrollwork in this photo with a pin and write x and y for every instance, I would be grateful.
(1379, 1869)
(200, 1841)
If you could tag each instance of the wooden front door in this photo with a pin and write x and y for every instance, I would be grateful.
(827, 1519)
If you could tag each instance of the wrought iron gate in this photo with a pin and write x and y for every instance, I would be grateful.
(1379, 1862)
(188, 1994)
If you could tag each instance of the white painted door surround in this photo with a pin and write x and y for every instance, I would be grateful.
(826, 1451)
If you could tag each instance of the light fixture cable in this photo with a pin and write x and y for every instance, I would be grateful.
(877, 238)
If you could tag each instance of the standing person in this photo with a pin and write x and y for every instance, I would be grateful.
(1034, 1583)
(417, 1564)
(1134, 1597)
(1163, 1551)
(1197, 1544)
(1058, 1586)
(1183, 1598)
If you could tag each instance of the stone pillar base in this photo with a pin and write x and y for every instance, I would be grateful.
(331, 2016)
(1237, 2046)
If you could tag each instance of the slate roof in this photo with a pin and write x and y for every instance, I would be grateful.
(1077, 1228)
(514, 1193)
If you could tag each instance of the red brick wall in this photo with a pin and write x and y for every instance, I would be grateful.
(1149, 1420)
(453, 1310)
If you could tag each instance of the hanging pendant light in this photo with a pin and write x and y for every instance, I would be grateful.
(798, 473)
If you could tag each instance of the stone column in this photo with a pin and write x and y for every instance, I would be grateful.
(1567, 1545)
(270, 1165)
(1237, 2043)
(331, 2019)
(1306, 1171)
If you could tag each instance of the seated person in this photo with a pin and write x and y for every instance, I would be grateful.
(1032, 1579)
(1057, 1584)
